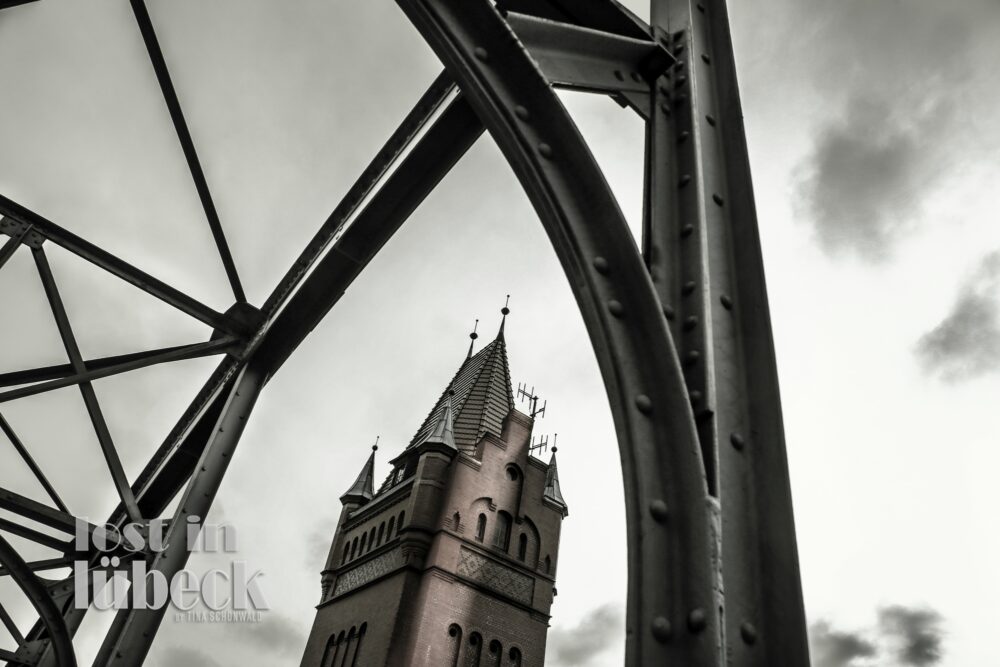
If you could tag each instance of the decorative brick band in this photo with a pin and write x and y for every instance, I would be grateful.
(496, 576)
(368, 571)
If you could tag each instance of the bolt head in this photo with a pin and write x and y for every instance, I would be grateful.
(692, 358)
(749, 633)
(697, 620)
(659, 511)
(690, 322)
(644, 404)
(688, 287)
(685, 179)
(616, 308)
(737, 441)
(686, 230)
(662, 631)
(545, 150)
(668, 312)
(481, 53)
(601, 265)
(521, 112)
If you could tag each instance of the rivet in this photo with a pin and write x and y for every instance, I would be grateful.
(658, 510)
(636, 77)
(749, 633)
(681, 80)
(601, 265)
(678, 34)
(665, 108)
(690, 323)
(668, 312)
(692, 357)
(545, 150)
(664, 89)
(697, 620)
(619, 75)
(678, 50)
(688, 287)
(685, 179)
(481, 53)
(643, 403)
(616, 308)
(711, 119)
(717, 198)
(706, 59)
(662, 630)
(726, 302)
(521, 112)
(680, 99)
(695, 396)
(683, 136)
(686, 230)
(701, 8)
(737, 440)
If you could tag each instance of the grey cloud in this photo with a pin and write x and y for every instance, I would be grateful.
(835, 648)
(917, 634)
(862, 181)
(593, 635)
(189, 657)
(275, 634)
(966, 343)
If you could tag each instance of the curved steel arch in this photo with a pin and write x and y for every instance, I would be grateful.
(681, 330)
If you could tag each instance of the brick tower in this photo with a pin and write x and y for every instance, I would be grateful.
(452, 561)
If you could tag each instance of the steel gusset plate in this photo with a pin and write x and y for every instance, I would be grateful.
(672, 612)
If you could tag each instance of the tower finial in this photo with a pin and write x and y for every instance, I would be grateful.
(505, 311)
(375, 446)
(473, 336)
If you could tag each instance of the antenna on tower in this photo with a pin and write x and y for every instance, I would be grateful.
(532, 398)
(539, 447)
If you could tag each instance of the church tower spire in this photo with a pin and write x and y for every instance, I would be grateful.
(452, 561)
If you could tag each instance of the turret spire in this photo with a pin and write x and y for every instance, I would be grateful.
(552, 490)
(363, 488)
(505, 311)
(444, 430)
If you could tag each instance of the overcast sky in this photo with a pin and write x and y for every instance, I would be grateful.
(874, 141)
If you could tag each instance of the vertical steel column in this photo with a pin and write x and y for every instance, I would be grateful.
(136, 628)
(703, 252)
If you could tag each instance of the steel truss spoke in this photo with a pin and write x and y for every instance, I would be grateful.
(136, 627)
(99, 257)
(86, 389)
(38, 537)
(12, 244)
(8, 623)
(36, 511)
(41, 600)
(187, 144)
(702, 231)
(30, 462)
(43, 565)
(135, 362)
(591, 60)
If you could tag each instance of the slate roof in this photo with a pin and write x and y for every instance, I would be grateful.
(363, 488)
(483, 398)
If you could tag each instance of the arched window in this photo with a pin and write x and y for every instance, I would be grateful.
(522, 547)
(475, 650)
(502, 536)
(364, 540)
(381, 533)
(399, 522)
(348, 645)
(455, 633)
(347, 551)
(456, 521)
(515, 657)
(392, 524)
(354, 546)
(481, 528)
(547, 568)
(512, 473)
(330, 653)
(371, 538)
(495, 654)
(362, 631)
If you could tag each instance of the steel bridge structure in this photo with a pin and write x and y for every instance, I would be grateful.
(680, 325)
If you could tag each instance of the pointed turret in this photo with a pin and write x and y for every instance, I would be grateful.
(444, 430)
(363, 488)
(552, 491)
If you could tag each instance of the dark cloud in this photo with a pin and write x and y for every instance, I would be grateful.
(579, 645)
(895, 127)
(189, 657)
(834, 648)
(916, 634)
(967, 342)
(275, 634)
(862, 181)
